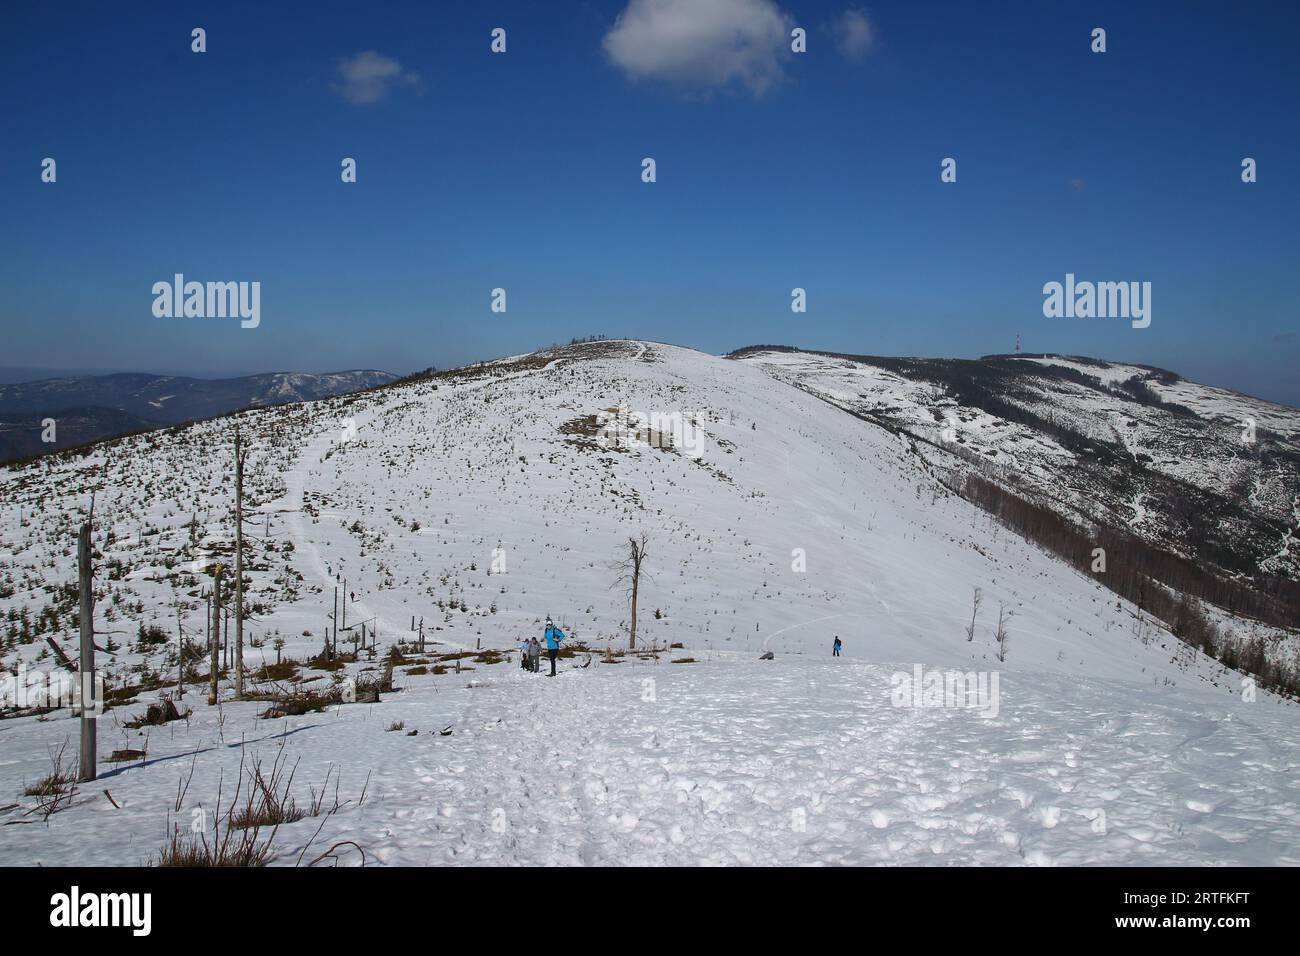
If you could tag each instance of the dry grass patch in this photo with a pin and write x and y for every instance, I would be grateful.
(283, 671)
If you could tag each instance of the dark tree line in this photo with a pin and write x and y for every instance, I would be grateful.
(1161, 584)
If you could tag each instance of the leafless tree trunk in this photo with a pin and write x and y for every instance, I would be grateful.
(180, 653)
(215, 662)
(1001, 634)
(975, 608)
(87, 766)
(240, 454)
(629, 575)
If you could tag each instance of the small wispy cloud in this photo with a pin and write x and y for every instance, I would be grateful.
(370, 76)
(702, 44)
(854, 34)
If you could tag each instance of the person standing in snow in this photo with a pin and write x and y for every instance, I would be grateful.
(835, 648)
(534, 654)
(525, 653)
(553, 637)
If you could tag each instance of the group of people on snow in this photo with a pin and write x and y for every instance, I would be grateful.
(530, 649)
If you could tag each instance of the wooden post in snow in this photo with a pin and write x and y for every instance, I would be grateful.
(215, 662)
(180, 654)
(87, 764)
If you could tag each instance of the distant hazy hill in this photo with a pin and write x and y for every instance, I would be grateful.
(88, 407)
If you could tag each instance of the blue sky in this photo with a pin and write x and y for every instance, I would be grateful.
(775, 170)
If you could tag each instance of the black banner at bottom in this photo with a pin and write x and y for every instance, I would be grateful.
(145, 907)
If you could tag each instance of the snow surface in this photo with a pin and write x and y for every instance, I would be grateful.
(799, 760)
(1112, 743)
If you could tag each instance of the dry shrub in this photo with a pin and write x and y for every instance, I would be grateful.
(163, 712)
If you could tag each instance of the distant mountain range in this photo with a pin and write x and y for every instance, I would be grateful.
(90, 407)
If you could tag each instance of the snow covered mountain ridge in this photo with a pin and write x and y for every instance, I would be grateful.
(455, 511)
(1196, 484)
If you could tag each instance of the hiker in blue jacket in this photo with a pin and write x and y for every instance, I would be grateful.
(835, 648)
(553, 637)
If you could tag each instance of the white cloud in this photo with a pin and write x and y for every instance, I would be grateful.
(854, 34)
(702, 43)
(369, 77)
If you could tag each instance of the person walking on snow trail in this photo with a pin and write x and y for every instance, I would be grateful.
(553, 637)
(835, 648)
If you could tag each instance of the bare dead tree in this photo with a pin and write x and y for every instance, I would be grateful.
(1001, 635)
(975, 608)
(240, 454)
(629, 576)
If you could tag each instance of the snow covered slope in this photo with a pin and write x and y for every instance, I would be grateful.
(1197, 470)
(485, 499)
(1205, 479)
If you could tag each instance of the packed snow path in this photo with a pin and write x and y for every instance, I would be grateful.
(811, 763)
(728, 761)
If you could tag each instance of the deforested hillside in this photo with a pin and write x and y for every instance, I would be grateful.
(1195, 487)
(405, 539)
(767, 512)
